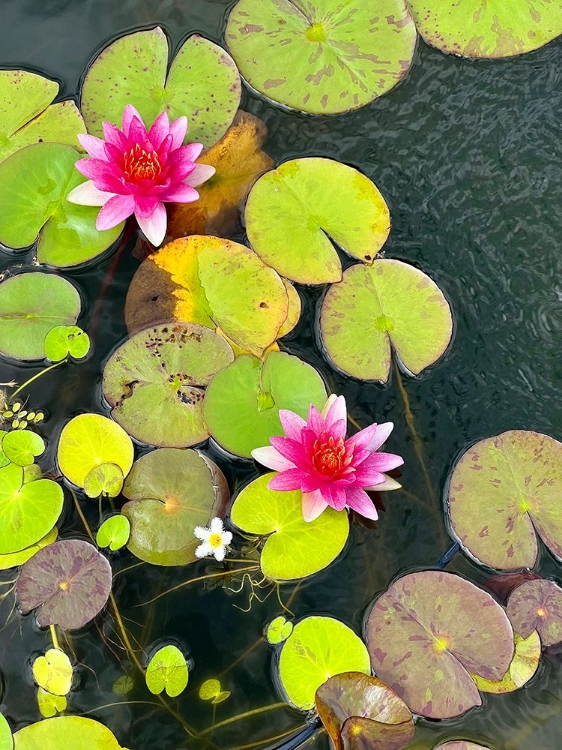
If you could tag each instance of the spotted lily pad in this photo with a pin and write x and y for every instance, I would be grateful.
(243, 401)
(278, 630)
(313, 201)
(26, 117)
(105, 479)
(13, 559)
(22, 446)
(53, 672)
(6, 738)
(523, 666)
(202, 83)
(386, 305)
(460, 745)
(294, 548)
(155, 382)
(69, 581)
(34, 183)
(114, 532)
(62, 341)
(495, 28)
(167, 670)
(502, 493)
(28, 510)
(537, 605)
(31, 304)
(357, 706)
(68, 732)
(212, 282)
(171, 491)
(89, 441)
(429, 632)
(317, 649)
(319, 56)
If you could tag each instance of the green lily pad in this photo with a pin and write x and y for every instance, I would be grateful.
(278, 630)
(62, 341)
(50, 705)
(123, 685)
(27, 511)
(89, 441)
(429, 632)
(375, 307)
(243, 400)
(68, 732)
(69, 581)
(22, 446)
(495, 28)
(114, 532)
(314, 202)
(537, 605)
(155, 382)
(13, 559)
(34, 183)
(167, 670)
(171, 491)
(105, 479)
(212, 282)
(6, 738)
(202, 83)
(26, 117)
(523, 666)
(317, 649)
(363, 709)
(502, 493)
(53, 672)
(31, 304)
(294, 548)
(320, 56)
(4, 460)
(211, 690)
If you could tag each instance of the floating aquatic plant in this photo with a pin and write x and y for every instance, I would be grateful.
(537, 605)
(167, 671)
(214, 539)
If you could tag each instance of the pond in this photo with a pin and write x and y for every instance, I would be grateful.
(466, 155)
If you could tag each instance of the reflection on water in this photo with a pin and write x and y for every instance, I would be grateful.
(467, 157)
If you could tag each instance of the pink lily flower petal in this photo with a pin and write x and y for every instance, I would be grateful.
(113, 135)
(358, 500)
(200, 174)
(87, 194)
(154, 226)
(291, 423)
(381, 436)
(160, 130)
(290, 479)
(180, 194)
(386, 486)
(129, 114)
(117, 209)
(178, 129)
(291, 449)
(337, 412)
(313, 504)
(271, 458)
(94, 146)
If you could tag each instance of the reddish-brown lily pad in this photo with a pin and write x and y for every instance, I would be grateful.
(537, 605)
(69, 581)
(428, 632)
(365, 710)
(460, 745)
(502, 492)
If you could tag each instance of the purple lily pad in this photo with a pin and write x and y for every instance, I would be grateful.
(537, 605)
(460, 745)
(502, 492)
(428, 632)
(69, 581)
(360, 711)
(502, 585)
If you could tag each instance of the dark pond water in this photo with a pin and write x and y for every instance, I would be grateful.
(467, 156)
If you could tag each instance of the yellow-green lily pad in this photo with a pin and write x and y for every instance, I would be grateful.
(53, 672)
(68, 732)
(167, 671)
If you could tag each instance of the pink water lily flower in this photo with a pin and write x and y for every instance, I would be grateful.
(133, 171)
(315, 458)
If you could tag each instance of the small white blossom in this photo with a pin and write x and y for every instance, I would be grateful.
(215, 540)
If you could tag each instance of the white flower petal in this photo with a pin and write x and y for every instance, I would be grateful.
(204, 549)
(386, 486)
(87, 194)
(227, 537)
(201, 533)
(270, 457)
(200, 174)
(219, 553)
(216, 526)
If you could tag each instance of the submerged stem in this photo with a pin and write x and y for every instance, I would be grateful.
(36, 377)
(245, 715)
(54, 638)
(222, 574)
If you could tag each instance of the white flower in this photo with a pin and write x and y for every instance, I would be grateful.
(215, 540)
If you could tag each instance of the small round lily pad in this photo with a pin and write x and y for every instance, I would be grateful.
(278, 630)
(50, 705)
(167, 671)
(314, 202)
(211, 690)
(31, 304)
(537, 605)
(114, 532)
(53, 672)
(68, 732)
(320, 56)
(155, 382)
(21, 447)
(105, 479)
(62, 341)
(388, 305)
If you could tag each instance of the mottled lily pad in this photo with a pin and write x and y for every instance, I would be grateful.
(53, 672)
(523, 666)
(429, 632)
(537, 605)
(243, 401)
(50, 705)
(361, 707)
(26, 117)
(105, 479)
(295, 212)
(502, 492)
(6, 738)
(320, 56)
(212, 282)
(317, 649)
(171, 491)
(31, 304)
(89, 441)
(155, 382)
(13, 559)
(68, 732)
(167, 671)
(495, 28)
(294, 548)
(114, 532)
(389, 305)
(202, 83)
(28, 510)
(34, 183)
(69, 581)
(62, 341)
(21, 447)
(460, 745)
